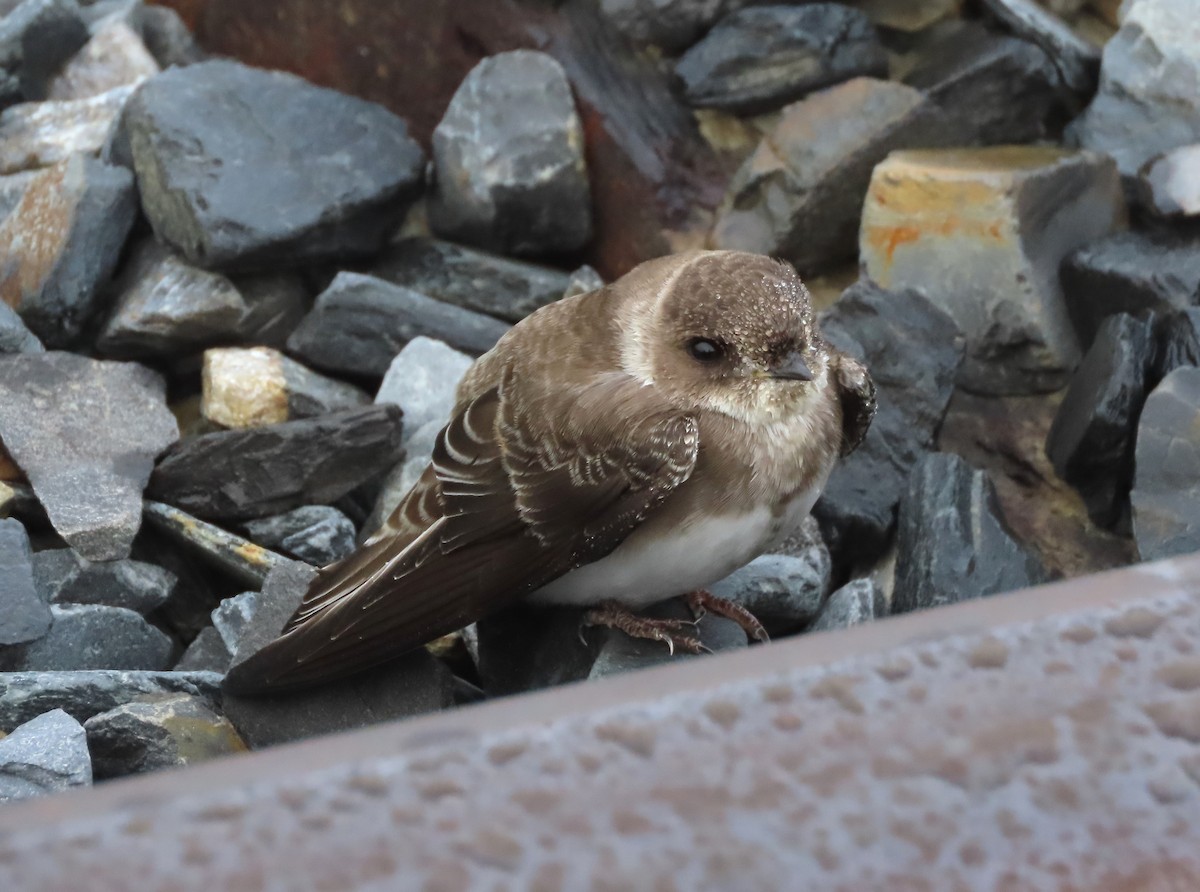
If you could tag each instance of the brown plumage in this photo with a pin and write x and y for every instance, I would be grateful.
(629, 444)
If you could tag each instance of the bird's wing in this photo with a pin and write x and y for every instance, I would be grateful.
(856, 393)
(530, 486)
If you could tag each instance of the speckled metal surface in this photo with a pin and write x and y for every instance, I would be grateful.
(1044, 740)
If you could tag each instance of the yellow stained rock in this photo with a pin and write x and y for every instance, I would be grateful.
(243, 387)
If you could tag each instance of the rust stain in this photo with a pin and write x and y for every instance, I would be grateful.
(33, 235)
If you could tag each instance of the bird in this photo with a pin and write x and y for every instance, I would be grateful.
(612, 450)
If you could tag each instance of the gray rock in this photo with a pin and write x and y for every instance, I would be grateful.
(413, 684)
(1078, 61)
(418, 449)
(240, 558)
(951, 545)
(92, 636)
(24, 616)
(169, 732)
(39, 134)
(213, 187)
(1091, 440)
(63, 577)
(800, 194)
(914, 351)
(1147, 100)
(620, 653)
(207, 653)
(1129, 272)
(856, 602)
(1166, 486)
(114, 57)
(360, 323)
(83, 694)
(531, 648)
(100, 14)
(1177, 342)
(168, 38)
(422, 380)
(996, 270)
(89, 454)
(316, 534)
(60, 244)
(508, 157)
(36, 38)
(670, 24)
(15, 337)
(763, 57)
(583, 281)
(45, 755)
(12, 187)
(233, 616)
(995, 90)
(475, 280)
(1170, 183)
(267, 470)
(782, 591)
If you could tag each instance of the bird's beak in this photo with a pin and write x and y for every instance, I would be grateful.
(793, 368)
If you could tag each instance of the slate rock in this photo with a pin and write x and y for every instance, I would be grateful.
(422, 380)
(995, 90)
(114, 57)
(168, 39)
(61, 243)
(233, 615)
(418, 450)
(951, 545)
(24, 615)
(360, 323)
(15, 337)
(669, 24)
(982, 233)
(168, 732)
(584, 280)
(472, 279)
(88, 458)
(763, 57)
(253, 386)
(1077, 60)
(1129, 272)
(858, 601)
(39, 134)
(207, 652)
(36, 38)
(1147, 99)
(910, 15)
(47, 754)
(1177, 342)
(531, 648)
(240, 558)
(1092, 439)
(206, 142)
(914, 351)
(267, 470)
(1169, 183)
(414, 683)
(63, 577)
(92, 636)
(782, 591)
(799, 196)
(508, 158)
(1166, 486)
(620, 653)
(316, 534)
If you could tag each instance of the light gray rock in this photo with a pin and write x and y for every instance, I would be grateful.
(583, 281)
(1166, 486)
(782, 591)
(91, 636)
(86, 434)
(24, 615)
(63, 577)
(1170, 183)
(114, 57)
(45, 755)
(38, 134)
(316, 534)
(422, 381)
(231, 618)
(36, 38)
(856, 602)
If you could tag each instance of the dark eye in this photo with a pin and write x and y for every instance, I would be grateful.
(705, 350)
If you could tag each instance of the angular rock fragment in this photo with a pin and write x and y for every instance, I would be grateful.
(782, 591)
(83, 694)
(360, 323)
(621, 653)
(800, 195)
(39, 134)
(508, 156)
(15, 337)
(253, 386)
(583, 281)
(60, 245)
(207, 652)
(1091, 442)
(316, 534)
(670, 24)
(168, 39)
(233, 616)
(36, 38)
(914, 351)
(24, 615)
(982, 233)
(63, 577)
(763, 57)
(46, 754)
(422, 380)
(856, 602)
(114, 57)
(168, 732)
(950, 543)
(1130, 272)
(86, 433)
(240, 558)
(1177, 342)
(1077, 60)
(265, 470)
(1166, 486)
(475, 280)
(91, 636)
(1147, 100)
(212, 185)
(1170, 183)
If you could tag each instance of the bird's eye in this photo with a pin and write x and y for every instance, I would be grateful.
(705, 349)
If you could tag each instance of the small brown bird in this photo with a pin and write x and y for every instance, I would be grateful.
(613, 449)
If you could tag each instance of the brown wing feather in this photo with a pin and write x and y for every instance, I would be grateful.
(529, 487)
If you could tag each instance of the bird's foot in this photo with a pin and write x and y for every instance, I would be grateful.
(615, 615)
(702, 602)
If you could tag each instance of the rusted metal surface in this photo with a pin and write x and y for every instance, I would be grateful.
(1044, 740)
